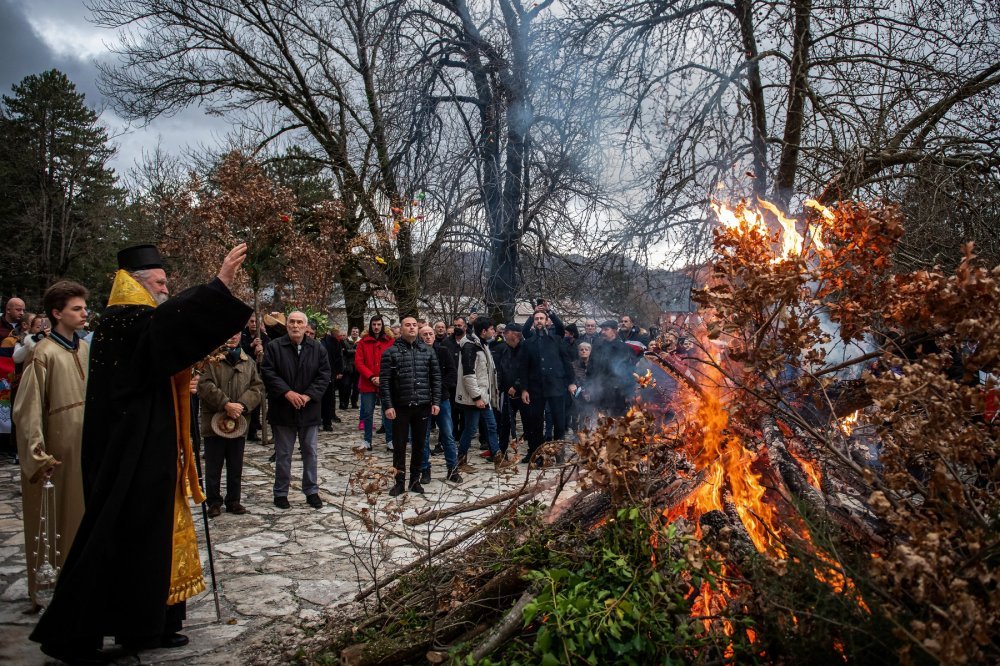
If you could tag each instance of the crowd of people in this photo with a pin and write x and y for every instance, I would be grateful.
(118, 420)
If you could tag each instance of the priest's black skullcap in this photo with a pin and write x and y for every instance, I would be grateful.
(139, 257)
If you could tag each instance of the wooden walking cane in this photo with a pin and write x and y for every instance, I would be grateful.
(196, 439)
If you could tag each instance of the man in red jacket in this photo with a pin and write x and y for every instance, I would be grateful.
(368, 363)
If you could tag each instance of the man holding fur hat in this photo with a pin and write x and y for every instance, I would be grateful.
(229, 390)
(135, 560)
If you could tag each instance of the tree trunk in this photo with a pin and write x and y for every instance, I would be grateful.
(355, 299)
(784, 181)
(758, 109)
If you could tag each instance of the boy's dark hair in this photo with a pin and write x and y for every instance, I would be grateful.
(58, 295)
(481, 325)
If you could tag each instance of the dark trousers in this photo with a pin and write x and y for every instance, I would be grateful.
(348, 389)
(328, 406)
(219, 450)
(254, 423)
(534, 419)
(511, 407)
(409, 427)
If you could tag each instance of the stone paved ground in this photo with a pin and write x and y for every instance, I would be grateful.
(275, 568)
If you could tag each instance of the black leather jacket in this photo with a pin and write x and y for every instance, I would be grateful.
(410, 375)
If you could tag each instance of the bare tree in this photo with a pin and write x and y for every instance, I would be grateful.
(831, 99)
(322, 72)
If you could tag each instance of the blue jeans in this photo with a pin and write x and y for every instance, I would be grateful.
(284, 444)
(368, 414)
(443, 420)
(471, 414)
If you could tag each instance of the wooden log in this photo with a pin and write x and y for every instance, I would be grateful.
(483, 503)
(437, 550)
(506, 629)
(491, 598)
(787, 469)
(728, 536)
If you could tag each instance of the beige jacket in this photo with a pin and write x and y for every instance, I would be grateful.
(222, 383)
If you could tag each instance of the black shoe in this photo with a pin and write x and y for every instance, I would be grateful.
(253, 437)
(425, 476)
(214, 511)
(483, 446)
(397, 489)
(381, 430)
(327, 427)
(236, 508)
(337, 419)
(354, 405)
(314, 501)
(282, 503)
(437, 450)
(174, 640)
(74, 656)
(453, 476)
(415, 487)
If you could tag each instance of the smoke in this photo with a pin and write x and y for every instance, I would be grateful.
(838, 351)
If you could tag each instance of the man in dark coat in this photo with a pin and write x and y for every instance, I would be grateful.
(628, 331)
(135, 561)
(296, 372)
(334, 347)
(546, 376)
(254, 348)
(507, 358)
(610, 384)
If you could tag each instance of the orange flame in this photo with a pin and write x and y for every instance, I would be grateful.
(849, 423)
(745, 220)
(811, 469)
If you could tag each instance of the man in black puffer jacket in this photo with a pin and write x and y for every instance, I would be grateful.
(410, 387)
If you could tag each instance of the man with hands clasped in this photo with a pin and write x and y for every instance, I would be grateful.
(296, 372)
(231, 386)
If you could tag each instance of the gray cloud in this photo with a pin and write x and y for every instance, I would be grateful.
(23, 51)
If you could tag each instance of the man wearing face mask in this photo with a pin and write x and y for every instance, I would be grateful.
(230, 386)
(296, 373)
(453, 344)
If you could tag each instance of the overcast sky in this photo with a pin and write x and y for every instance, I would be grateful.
(36, 35)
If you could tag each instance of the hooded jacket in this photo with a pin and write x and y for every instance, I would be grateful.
(368, 359)
(479, 374)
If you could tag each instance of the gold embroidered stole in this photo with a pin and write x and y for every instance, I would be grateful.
(186, 579)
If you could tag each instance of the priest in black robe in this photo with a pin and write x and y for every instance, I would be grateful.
(135, 561)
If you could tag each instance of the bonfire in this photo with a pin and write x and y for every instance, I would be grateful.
(830, 430)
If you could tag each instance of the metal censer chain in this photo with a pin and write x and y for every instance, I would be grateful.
(47, 553)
